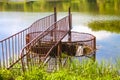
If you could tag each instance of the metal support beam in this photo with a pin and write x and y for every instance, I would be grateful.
(70, 25)
(55, 20)
(27, 41)
(59, 51)
(94, 55)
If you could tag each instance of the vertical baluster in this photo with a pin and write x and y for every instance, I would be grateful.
(43, 24)
(20, 40)
(15, 48)
(40, 26)
(46, 24)
(3, 55)
(31, 30)
(6, 53)
(12, 50)
(36, 30)
(18, 45)
(23, 39)
(9, 51)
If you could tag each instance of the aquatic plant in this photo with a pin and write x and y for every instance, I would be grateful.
(108, 25)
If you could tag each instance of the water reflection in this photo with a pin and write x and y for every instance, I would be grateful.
(91, 6)
(100, 35)
(84, 11)
(107, 42)
(109, 48)
(82, 20)
(12, 22)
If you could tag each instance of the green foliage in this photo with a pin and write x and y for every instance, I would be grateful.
(94, 6)
(34, 74)
(64, 55)
(76, 71)
(108, 25)
(6, 75)
(85, 70)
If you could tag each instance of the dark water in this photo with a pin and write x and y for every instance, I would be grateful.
(15, 17)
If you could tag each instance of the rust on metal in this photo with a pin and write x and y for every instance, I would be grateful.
(13, 44)
(45, 37)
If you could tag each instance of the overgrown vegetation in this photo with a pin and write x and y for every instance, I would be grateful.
(108, 25)
(86, 70)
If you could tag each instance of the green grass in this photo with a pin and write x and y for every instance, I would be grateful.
(86, 70)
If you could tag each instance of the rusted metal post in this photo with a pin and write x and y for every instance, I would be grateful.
(70, 25)
(22, 63)
(94, 55)
(10, 48)
(27, 41)
(55, 20)
(59, 54)
(55, 13)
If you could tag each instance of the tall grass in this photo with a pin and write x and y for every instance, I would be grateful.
(75, 70)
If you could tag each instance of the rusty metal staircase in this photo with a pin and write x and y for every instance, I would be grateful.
(46, 44)
(35, 45)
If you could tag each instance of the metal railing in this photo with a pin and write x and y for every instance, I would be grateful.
(39, 48)
(10, 48)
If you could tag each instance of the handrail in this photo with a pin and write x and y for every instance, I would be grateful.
(59, 30)
(26, 28)
(10, 47)
(42, 34)
(27, 45)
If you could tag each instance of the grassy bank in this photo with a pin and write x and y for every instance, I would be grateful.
(86, 70)
(108, 25)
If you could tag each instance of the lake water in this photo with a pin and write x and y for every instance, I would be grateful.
(108, 47)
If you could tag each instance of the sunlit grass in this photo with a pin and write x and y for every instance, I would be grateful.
(85, 70)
